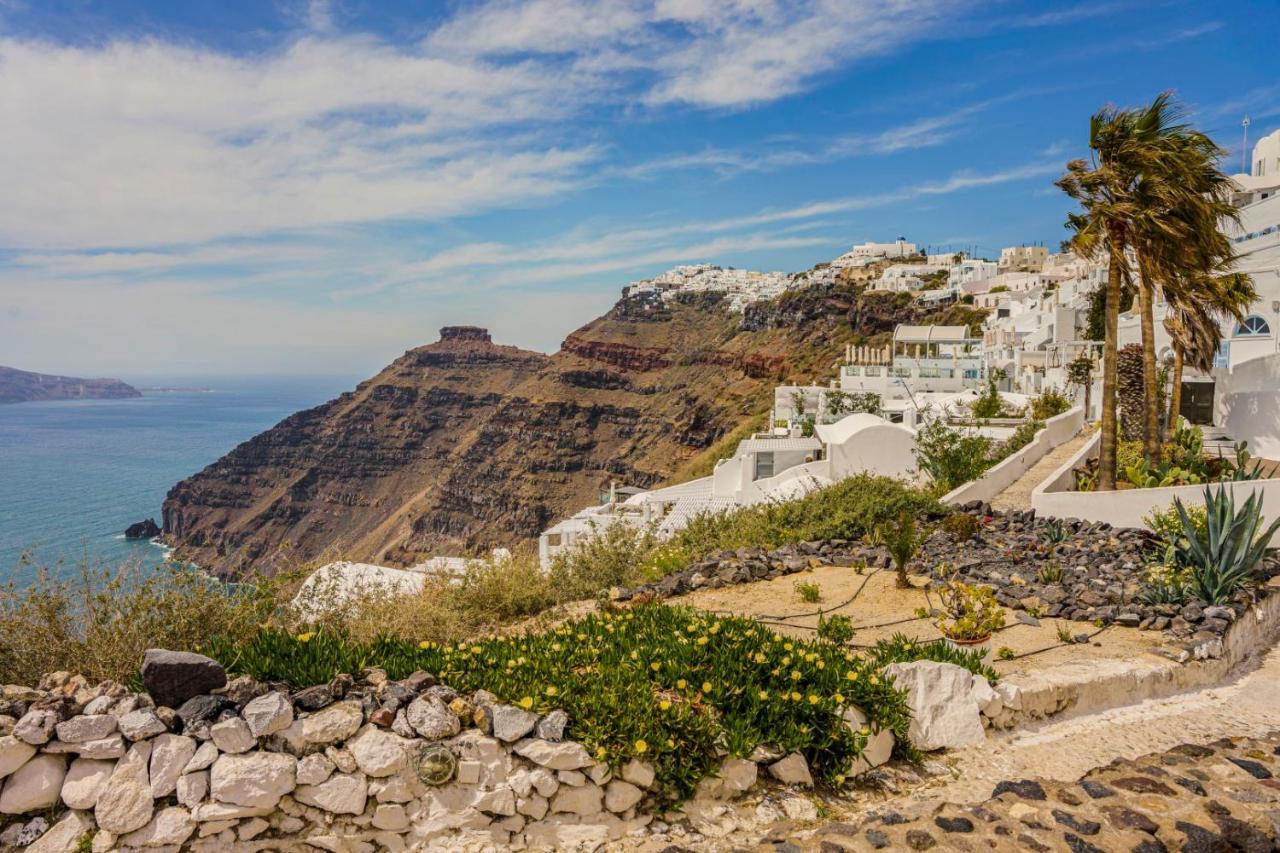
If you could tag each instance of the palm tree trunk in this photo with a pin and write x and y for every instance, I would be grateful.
(1111, 330)
(1150, 394)
(1175, 395)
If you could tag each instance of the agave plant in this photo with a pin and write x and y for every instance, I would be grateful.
(1232, 543)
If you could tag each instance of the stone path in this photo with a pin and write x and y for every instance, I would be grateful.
(1018, 493)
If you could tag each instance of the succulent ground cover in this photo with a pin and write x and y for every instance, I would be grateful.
(673, 685)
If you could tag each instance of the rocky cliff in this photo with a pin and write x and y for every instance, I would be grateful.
(22, 386)
(464, 444)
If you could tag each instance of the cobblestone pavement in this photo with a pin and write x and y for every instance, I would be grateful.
(1222, 796)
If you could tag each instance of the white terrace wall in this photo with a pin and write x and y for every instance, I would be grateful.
(1248, 405)
(1057, 430)
(1127, 507)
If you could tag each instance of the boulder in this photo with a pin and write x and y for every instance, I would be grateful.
(142, 530)
(65, 834)
(170, 827)
(232, 735)
(141, 724)
(111, 746)
(638, 772)
(333, 724)
(254, 779)
(34, 786)
(341, 794)
(268, 714)
(203, 758)
(13, 754)
(314, 769)
(86, 727)
(170, 755)
(431, 718)
(84, 781)
(944, 711)
(36, 726)
(552, 726)
(125, 802)
(379, 753)
(580, 799)
(509, 723)
(171, 678)
(192, 788)
(792, 770)
(620, 796)
(879, 746)
(557, 756)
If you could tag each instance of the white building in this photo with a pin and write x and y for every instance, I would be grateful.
(900, 248)
(901, 278)
(972, 270)
(1023, 258)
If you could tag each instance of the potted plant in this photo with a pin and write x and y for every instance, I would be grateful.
(970, 615)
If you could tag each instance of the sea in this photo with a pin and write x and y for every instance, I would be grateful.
(74, 474)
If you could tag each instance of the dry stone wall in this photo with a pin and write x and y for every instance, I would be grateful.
(354, 765)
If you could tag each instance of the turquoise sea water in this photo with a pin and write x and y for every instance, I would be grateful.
(75, 474)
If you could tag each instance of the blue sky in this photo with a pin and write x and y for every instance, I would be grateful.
(313, 187)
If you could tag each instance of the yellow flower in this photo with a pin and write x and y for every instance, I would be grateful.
(813, 699)
(852, 675)
(839, 697)
(424, 645)
(681, 683)
(715, 629)
(702, 641)
(795, 697)
(475, 650)
(786, 661)
(760, 658)
(601, 752)
(795, 675)
(764, 694)
(635, 656)
(641, 747)
(873, 680)
(555, 647)
(526, 702)
(822, 664)
(706, 687)
(551, 690)
(665, 704)
(671, 743)
(839, 779)
(788, 646)
(305, 638)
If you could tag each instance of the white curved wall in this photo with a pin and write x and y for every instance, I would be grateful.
(1248, 404)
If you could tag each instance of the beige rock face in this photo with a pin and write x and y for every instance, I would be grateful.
(268, 714)
(233, 736)
(125, 803)
(341, 794)
(170, 754)
(64, 835)
(84, 782)
(34, 786)
(378, 752)
(169, 827)
(13, 754)
(192, 788)
(255, 779)
(792, 770)
(620, 796)
(336, 723)
(945, 714)
(557, 756)
(580, 800)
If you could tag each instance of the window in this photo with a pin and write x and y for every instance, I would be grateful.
(1253, 326)
(553, 540)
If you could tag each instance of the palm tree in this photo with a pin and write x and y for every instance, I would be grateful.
(1195, 325)
(1178, 243)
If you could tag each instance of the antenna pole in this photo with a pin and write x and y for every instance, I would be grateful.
(1244, 150)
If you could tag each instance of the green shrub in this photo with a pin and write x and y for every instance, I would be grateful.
(848, 509)
(961, 526)
(901, 540)
(972, 611)
(808, 592)
(1022, 436)
(951, 457)
(1166, 585)
(1049, 403)
(835, 629)
(671, 684)
(1006, 653)
(1223, 557)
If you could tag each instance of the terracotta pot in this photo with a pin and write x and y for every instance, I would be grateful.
(981, 645)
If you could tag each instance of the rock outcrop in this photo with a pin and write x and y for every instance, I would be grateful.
(465, 444)
(23, 386)
(142, 530)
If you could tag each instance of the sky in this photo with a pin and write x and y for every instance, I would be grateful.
(233, 187)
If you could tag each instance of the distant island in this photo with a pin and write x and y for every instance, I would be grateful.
(175, 389)
(23, 386)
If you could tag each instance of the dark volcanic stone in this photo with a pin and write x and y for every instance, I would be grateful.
(1200, 840)
(1096, 790)
(1191, 785)
(172, 678)
(892, 819)
(1241, 836)
(1143, 785)
(918, 839)
(1253, 768)
(142, 530)
(877, 839)
(1124, 818)
(199, 709)
(1070, 821)
(1079, 845)
(953, 824)
(1028, 789)
(1150, 845)
(1026, 842)
(313, 698)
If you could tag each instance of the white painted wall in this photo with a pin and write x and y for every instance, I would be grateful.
(1247, 403)
(1128, 507)
(1057, 430)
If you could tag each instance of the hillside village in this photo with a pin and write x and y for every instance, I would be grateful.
(901, 612)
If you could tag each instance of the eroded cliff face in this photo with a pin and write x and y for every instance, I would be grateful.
(462, 445)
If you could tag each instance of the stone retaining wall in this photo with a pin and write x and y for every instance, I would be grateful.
(355, 765)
